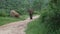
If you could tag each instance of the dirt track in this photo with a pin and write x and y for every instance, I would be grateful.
(16, 27)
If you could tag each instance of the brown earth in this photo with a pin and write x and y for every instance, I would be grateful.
(16, 27)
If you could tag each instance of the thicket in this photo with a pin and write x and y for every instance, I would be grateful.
(49, 21)
(20, 6)
(51, 18)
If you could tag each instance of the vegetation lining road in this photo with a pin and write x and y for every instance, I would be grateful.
(7, 20)
(17, 27)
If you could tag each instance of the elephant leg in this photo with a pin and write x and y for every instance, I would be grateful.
(30, 16)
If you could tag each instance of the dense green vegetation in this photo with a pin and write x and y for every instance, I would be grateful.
(20, 6)
(49, 21)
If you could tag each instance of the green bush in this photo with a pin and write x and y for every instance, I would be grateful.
(49, 21)
(4, 12)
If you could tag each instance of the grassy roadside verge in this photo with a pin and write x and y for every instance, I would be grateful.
(6, 20)
(33, 27)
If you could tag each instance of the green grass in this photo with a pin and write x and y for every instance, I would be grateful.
(35, 27)
(7, 20)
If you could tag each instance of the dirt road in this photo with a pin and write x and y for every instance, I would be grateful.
(16, 27)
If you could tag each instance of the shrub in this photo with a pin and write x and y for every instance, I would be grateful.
(4, 12)
(49, 21)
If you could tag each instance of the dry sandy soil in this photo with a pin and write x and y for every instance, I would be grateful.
(16, 27)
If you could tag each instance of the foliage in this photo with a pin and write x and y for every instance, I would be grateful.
(4, 12)
(20, 6)
(49, 21)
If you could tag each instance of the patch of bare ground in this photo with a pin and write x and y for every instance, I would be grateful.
(16, 27)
